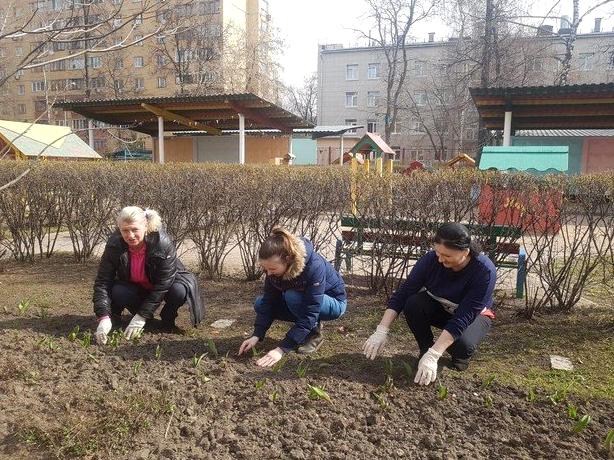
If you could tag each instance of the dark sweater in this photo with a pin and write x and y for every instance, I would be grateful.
(464, 294)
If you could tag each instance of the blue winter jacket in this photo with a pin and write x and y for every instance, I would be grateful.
(318, 277)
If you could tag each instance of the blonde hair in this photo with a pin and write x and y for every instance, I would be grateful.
(280, 243)
(135, 214)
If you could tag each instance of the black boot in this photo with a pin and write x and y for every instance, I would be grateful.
(460, 364)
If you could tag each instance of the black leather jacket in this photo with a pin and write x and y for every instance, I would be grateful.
(162, 268)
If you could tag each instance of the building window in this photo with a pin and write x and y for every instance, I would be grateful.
(19, 51)
(373, 71)
(95, 62)
(138, 20)
(611, 61)
(21, 108)
(351, 122)
(416, 126)
(160, 60)
(470, 134)
(21, 90)
(420, 98)
(419, 68)
(139, 61)
(139, 40)
(351, 99)
(371, 126)
(79, 123)
(76, 63)
(586, 61)
(351, 72)
(372, 98)
(99, 144)
(161, 82)
(535, 64)
(139, 84)
(38, 86)
(118, 85)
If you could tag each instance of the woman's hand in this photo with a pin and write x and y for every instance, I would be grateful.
(270, 358)
(375, 343)
(104, 327)
(135, 328)
(248, 344)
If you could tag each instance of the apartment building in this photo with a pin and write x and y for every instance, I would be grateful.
(437, 119)
(131, 48)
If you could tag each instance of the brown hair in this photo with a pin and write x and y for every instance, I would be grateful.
(280, 243)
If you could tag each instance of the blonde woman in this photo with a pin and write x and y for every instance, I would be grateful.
(139, 269)
(301, 287)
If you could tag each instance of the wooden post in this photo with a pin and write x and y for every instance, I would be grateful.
(389, 166)
(379, 166)
(367, 166)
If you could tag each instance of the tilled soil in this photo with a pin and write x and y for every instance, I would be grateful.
(188, 396)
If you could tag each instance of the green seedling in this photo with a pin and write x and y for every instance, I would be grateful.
(23, 306)
(260, 384)
(609, 440)
(158, 352)
(136, 368)
(302, 369)
(488, 381)
(212, 348)
(531, 395)
(409, 371)
(115, 339)
(197, 359)
(274, 396)
(572, 412)
(279, 365)
(381, 400)
(388, 367)
(557, 397)
(488, 402)
(86, 339)
(136, 338)
(43, 311)
(255, 352)
(442, 392)
(48, 342)
(318, 393)
(91, 357)
(582, 423)
(73, 334)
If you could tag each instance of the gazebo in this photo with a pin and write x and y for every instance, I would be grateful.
(372, 142)
(583, 110)
(211, 115)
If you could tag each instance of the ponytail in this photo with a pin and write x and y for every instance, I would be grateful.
(280, 243)
(136, 214)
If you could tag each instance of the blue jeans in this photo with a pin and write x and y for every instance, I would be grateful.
(292, 305)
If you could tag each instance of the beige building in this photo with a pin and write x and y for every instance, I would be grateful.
(131, 49)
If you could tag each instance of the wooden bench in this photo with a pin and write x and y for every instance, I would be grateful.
(412, 239)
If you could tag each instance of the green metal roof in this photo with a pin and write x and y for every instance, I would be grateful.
(544, 158)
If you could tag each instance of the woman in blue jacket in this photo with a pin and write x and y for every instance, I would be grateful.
(300, 287)
(450, 288)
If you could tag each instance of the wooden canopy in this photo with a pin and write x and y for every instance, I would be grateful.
(547, 107)
(210, 114)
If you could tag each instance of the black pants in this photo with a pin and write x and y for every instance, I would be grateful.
(130, 296)
(422, 312)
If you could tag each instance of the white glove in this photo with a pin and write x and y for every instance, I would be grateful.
(104, 327)
(135, 328)
(427, 367)
(376, 342)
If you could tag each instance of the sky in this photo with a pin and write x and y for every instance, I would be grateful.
(303, 25)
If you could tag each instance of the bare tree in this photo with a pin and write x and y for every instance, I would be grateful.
(393, 20)
(303, 101)
(569, 39)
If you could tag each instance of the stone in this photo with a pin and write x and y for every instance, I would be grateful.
(560, 363)
(223, 323)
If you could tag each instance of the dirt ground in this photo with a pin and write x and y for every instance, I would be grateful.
(188, 396)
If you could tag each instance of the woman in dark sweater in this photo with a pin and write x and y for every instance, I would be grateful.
(451, 288)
